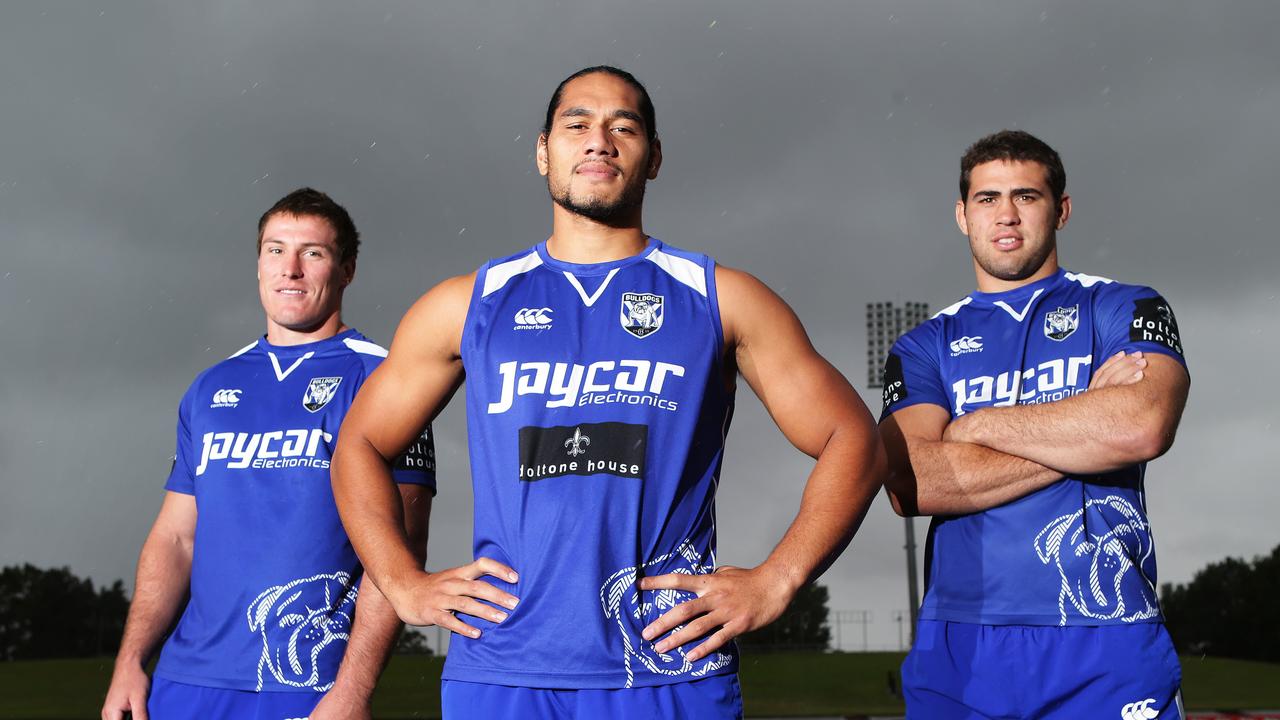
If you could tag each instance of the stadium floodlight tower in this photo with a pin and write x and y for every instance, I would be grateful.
(886, 322)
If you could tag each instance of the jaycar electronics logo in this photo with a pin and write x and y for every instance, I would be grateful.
(226, 398)
(641, 313)
(533, 318)
(1060, 323)
(278, 449)
(604, 382)
(610, 448)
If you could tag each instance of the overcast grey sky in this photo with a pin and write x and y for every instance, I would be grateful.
(814, 144)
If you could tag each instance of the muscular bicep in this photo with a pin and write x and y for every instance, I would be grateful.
(803, 393)
(909, 425)
(903, 432)
(1156, 404)
(176, 521)
(421, 372)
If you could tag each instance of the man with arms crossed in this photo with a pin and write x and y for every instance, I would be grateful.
(248, 523)
(1022, 419)
(600, 368)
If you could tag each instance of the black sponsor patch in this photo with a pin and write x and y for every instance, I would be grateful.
(421, 455)
(895, 383)
(610, 448)
(1153, 322)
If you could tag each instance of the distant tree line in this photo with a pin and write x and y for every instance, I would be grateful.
(1229, 609)
(802, 626)
(54, 614)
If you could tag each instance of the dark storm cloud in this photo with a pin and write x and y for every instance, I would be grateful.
(815, 145)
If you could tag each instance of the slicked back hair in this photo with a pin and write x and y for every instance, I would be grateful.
(1014, 146)
(646, 104)
(307, 202)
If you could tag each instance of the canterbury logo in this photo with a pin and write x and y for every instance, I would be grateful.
(1140, 710)
(966, 345)
(534, 316)
(226, 398)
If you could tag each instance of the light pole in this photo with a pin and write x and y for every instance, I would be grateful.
(886, 322)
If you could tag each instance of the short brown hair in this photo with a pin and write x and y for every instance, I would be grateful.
(307, 202)
(1014, 145)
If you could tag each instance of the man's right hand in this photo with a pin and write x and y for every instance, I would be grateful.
(127, 694)
(1119, 369)
(433, 598)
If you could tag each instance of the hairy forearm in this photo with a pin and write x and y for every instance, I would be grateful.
(160, 589)
(1095, 432)
(846, 478)
(954, 478)
(373, 635)
(372, 514)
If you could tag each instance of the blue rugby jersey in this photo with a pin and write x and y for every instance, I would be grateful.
(273, 574)
(1079, 551)
(596, 408)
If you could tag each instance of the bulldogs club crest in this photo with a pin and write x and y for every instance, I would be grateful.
(641, 313)
(320, 392)
(1060, 323)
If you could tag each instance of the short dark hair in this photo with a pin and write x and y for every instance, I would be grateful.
(1014, 145)
(646, 104)
(307, 202)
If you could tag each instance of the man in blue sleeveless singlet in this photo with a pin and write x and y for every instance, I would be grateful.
(600, 368)
(1022, 418)
(272, 627)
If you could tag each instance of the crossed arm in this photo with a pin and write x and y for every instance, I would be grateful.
(995, 455)
(822, 416)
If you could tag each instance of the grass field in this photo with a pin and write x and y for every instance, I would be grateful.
(773, 685)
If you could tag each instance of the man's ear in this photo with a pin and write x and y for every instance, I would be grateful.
(962, 222)
(349, 272)
(655, 159)
(541, 154)
(1064, 211)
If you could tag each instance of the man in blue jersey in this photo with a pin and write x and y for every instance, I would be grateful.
(600, 368)
(248, 535)
(1022, 418)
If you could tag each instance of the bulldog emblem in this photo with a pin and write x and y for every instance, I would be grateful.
(633, 609)
(304, 626)
(1094, 549)
(641, 313)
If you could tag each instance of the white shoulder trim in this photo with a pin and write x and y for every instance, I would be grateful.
(244, 350)
(953, 309)
(499, 275)
(1088, 280)
(686, 271)
(364, 347)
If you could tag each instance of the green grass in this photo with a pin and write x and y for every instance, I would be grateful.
(795, 684)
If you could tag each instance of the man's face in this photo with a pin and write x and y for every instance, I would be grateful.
(1011, 220)
(300, 279)
(596, 156)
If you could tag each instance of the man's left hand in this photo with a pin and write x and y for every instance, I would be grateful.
(730, 601)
